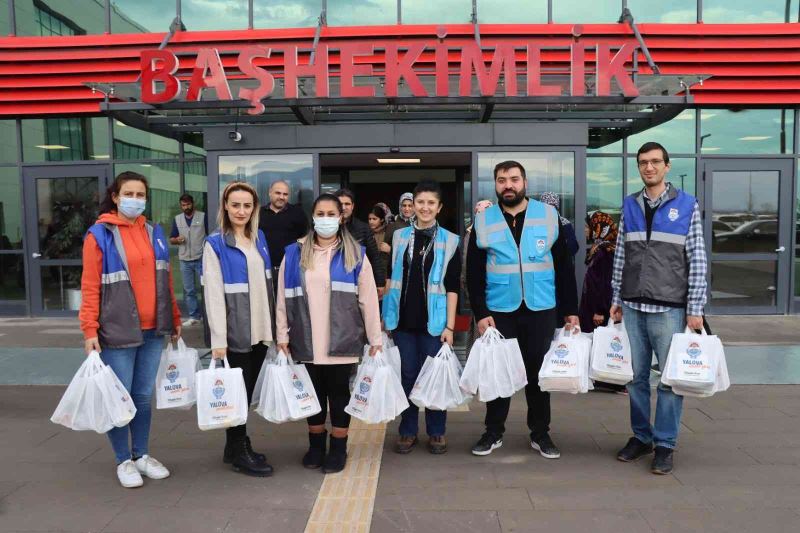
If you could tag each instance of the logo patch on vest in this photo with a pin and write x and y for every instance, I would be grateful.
(673, 214)
(540, 244)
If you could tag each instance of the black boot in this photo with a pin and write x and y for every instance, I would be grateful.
(245, 461)
(315, 455)
(227, 456)
(337, 456)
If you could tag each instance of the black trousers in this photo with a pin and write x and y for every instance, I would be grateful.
(533, 331)
(332, 385)
(250, 363)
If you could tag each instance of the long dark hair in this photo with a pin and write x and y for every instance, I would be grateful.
(108, 205)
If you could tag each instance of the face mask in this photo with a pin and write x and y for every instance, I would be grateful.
(326, 226)
(131, 207)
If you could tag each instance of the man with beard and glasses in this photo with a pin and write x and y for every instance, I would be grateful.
(189, 231)
(519, 270)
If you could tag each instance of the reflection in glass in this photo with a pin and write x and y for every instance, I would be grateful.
(8, 142)
(11, 229)
(65, 139)
(604, 186)
(288, 13)
(750, 12)
(546, 171)
(746, 131)
(164, 182)
(66, 208)
(12, 277)
(132, 143)
(199, 15)
(677, 135)
(512, 11)
(743, 283)
(745, 211)
(362, 12)
(443, 11)
(330, 182)
(675, 11)
(604, 11)
(681, 174)
(599, 142)
(261, 170)
(141, 16)
(61, 287)
(44, 18)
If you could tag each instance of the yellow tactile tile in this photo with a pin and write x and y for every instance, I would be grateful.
(345, 500)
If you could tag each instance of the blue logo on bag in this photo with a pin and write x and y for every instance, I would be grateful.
(172, 373)
(616, 344)
(694, 350)
(297, 383)
(562, 351)
(219, 389)
(364, 386)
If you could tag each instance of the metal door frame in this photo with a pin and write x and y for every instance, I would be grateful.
(783, 259)
(33, 264)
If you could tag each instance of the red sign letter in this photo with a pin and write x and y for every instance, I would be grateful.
(535, 87)
(350, 70)
(578, 70)
(503, 59)
(615, 68)
(442, 70)
(266, 81)
(293, 71)
(163, 73)
(403, 68)
(208, 61)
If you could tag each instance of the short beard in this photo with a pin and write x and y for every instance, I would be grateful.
(512, 202)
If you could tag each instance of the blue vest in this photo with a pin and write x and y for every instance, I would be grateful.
(233, 264)
(444, 249)
(119, 317)
(347, 331)
(516, 273)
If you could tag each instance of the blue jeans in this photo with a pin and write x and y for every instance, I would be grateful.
(415, 347)
(136, 368)
(648, 333)
(188, 268)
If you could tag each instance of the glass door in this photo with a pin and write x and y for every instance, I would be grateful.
(61, 204)
(748, 222)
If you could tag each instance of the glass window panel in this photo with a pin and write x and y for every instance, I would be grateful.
(8, 141)
(512, 11)
(682, 174)
(141, 16)
(745, 211)
(205, 15)
(59, 17)
(604, 185)
(443, 11)
(11, 228)
(675, 11)
(294, 13)
(677, 135)
(330, 182)
(12, 277)
(191, 150)
(613, 148)
(132, 143)
(607, 11)
(65, 139)
(797, 239)
(61, 287)
(746, 131)
(743, 283)
(65, 209)
(546, 171)
(750, 12)
(5, 26)
(261, 170)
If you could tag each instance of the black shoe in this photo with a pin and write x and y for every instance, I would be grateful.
(662, 462)
(315, 455)
(227, 455)
(337, 456)
(246, 462)
(487, 443)
(546, 447)
(635, 449)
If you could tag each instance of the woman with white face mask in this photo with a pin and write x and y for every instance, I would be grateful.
(128, 306)
(327, 310)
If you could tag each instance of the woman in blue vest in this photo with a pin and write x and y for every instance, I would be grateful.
(128, 307)
(420, 307)
(237, 284)
(327, 310)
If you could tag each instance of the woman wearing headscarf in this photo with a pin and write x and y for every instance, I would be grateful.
(551, 198)
(405, 215)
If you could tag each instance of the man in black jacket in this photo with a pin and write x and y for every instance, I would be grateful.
(360, 230)
(281, 222)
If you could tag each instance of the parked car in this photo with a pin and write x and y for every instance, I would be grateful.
(756, 236)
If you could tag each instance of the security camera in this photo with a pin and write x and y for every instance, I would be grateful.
(235, 136)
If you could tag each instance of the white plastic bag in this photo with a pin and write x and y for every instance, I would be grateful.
(221, 397)
(696, 365)
(258, 389)
(611, 354)
(175, 384)
(287, 392)
(437, 386)
(377, 395)
(566, 364)
(494, 368)
(95, 399)
(390, 351)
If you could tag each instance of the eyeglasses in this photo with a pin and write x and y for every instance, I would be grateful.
(655, 162)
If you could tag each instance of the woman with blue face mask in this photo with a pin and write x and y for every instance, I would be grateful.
(327, 311)
(127, 310)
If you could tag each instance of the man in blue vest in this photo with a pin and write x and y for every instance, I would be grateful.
(659, 285)
(519, 270)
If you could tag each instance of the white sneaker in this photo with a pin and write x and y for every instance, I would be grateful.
(190, 322)
(129, 476)
(151, 468)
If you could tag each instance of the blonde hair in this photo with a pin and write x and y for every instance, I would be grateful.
(224, 222)
(351, 249)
